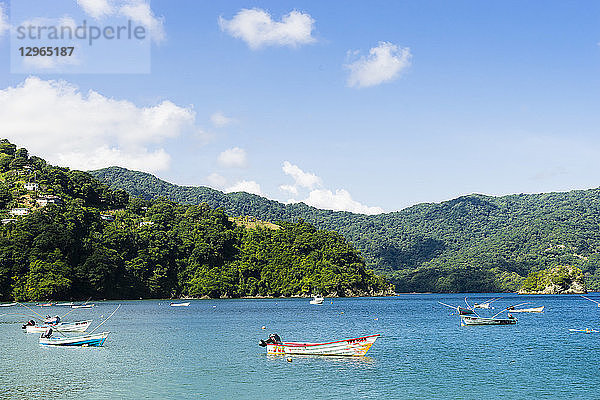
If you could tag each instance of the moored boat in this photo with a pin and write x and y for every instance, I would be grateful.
(180, 304)
(94, 340)
(317, 300)
(476, 320)
(347, 347)
(83, 306)
(77, 326)
(8, 304)
(528, 310)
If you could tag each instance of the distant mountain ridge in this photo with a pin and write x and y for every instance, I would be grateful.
(471, 243)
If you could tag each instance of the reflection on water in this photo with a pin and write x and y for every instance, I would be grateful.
(364, 360)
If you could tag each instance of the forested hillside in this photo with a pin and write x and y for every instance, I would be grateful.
(472, 243)
(65, 235)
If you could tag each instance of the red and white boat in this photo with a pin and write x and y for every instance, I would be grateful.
(348, 347)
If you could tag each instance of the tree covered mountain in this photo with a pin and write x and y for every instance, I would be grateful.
(66, 235)
(471, 243)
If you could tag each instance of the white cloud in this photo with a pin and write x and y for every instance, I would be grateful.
(290, 189)
(233, 158)
(137, 10)
(338, 201)
(140, 12)
(301, 178)
(216, 180)
(258, 29)
(384, 64)
(321, 197)
(88, 130)
(220, 120)
(245, 186)
(96, 8)
(4, 25)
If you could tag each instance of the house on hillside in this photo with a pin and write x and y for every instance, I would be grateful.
(146, 223)
(19, 211)
(107, 217)
(43, 201)
(8, 221)
(31, 186)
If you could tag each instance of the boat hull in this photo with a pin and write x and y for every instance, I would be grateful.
(355, 347)
(529, 310)
(471, 320)
(78, 326)
(96, 340)
(180, 304)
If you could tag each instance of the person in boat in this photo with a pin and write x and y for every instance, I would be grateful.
(273, 339)
(47, 334)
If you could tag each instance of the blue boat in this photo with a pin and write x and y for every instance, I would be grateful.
(95, 340)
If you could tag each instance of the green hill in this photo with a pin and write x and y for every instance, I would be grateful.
(66, 235)
(472, 243)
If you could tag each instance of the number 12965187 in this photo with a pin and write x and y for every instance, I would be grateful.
(47, 51)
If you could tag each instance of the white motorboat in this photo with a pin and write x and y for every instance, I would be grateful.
(77, 326)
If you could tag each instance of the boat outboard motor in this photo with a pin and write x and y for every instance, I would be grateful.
(47, 334)
(29, 323)
(273, 339)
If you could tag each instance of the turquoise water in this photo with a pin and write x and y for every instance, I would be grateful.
(209, 350)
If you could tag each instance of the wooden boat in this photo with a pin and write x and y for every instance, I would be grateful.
(77, 326)
(94, 340)
(44, 304)
(180, 304)
(459, 309)
(477, 320)
(83, 306)
(318, 300)
(529, 310)
(348, 347)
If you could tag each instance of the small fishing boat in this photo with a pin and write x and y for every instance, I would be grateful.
(318, 300)
(348, 347)
(8, 304)
(94, 340)
(486, 304)
(528, 310)
(477, 320)
(77, 326)
(459, 309)
(83, 306)
(45, 304)
(586, 330)
(69, 304)
(180, 304)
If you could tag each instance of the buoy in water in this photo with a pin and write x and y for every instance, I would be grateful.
(289, 359)
(263, 327)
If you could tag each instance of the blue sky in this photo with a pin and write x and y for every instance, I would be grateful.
(457, 97)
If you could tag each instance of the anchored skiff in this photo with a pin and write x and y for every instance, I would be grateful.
(95, 340)
(529, 310)
(348, 347)
(474, 320)
(77, 326)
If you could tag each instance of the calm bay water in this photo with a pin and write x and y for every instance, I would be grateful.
(209, 350)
